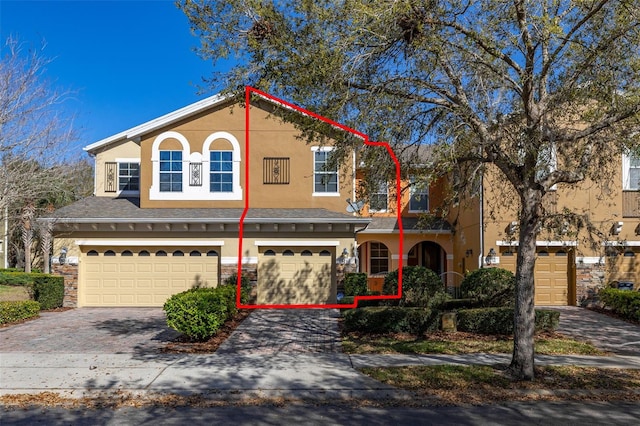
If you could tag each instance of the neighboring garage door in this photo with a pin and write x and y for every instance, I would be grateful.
(145, 276)
(296, 275)
(624, 267)
(551, 275)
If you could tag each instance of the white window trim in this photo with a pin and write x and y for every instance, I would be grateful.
(195, 192)
(387, 203)
(128, 160)
(315, 149)
(626, 176)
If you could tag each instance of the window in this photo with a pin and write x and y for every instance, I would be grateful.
(161, 253)
(325, 175)
(379, 258)
(144, 253)
(306, 253)
(221, 171)
(419, 201)
(178, 253)
(170, 171)
(269, 253)
(109, 253)
(287, 253)
(379, 198)
(325, 253)
(631, 172)
(126, 253)
(92, 253)
(195, 253)
(212, 253)
(129, 177)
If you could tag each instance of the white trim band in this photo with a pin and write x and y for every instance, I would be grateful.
(298, 243)
(233, 260)
(621, 243)
(151, 243)
(542, 243)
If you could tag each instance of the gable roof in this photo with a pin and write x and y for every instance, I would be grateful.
(159, 122)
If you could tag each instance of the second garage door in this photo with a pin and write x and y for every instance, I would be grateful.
(143, 276)
(297, 275)
(551, 275)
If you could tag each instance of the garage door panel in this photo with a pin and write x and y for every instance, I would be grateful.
(142, 280)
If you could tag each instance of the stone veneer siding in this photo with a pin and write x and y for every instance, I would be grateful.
(70, 274)
(590, 278)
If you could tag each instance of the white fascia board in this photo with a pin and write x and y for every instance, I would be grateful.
(149, 242)
(621, 243)
(539, 243)
(297, 243)
(156, 123)
(407, 231)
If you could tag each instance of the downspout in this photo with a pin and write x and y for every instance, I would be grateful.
(481, 255)
(355, 248)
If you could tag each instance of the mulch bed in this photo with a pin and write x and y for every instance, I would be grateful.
(183, 344)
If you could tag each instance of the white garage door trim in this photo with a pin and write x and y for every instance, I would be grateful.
(155, 243)
(298, 243)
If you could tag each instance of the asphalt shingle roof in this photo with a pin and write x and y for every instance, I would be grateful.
(408, 224)
(106, 209)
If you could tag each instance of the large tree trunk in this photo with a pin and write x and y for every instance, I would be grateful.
(522, 362)
(28, 213)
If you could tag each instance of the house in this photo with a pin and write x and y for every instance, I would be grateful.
(181, 200)
(168, 212)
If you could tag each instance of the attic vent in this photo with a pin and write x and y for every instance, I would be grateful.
(110, 178)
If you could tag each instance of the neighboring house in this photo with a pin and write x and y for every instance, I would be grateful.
(169, 196)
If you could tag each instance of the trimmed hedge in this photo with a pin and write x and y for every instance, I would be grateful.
(355, 283)
(15, 278)
(391, 319)
(18, 310)
(490, 287)
(623, 302)
(200, 312)
(421, 287)
(500, 320)
(48, 290)
(348, 300)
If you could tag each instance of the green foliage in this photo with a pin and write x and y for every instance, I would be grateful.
(500, 320)
(48, 290)
(489, 287)
(391, 319)
(200, 312)
(623, 302)
(16, 278)
(245, 286)
(348, 300)
(355, 283)
(16, 311)
(421, 287)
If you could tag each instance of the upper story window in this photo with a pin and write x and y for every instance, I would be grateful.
(631, 172)
(129, 177)
(221, 171)
(419, 201)
(325, 173)
(379, 200)
(170, 171)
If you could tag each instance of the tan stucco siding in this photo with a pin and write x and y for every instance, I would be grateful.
(115, 152)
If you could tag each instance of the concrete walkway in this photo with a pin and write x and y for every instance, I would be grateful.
(291, 353)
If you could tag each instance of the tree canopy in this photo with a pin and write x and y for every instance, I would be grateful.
(546, 91)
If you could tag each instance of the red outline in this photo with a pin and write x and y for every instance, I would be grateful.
(248, 91)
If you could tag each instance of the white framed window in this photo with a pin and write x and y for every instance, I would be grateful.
(378, 258)
(419, 192)
(128, 176)
(325, 174)
(221, 171)
(170, 171)
(379, 199)
(180, 174)
(631, 172)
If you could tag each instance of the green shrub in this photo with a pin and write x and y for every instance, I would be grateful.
(623, 302)
(490, 287)
(200, 312)
(421, 287)
(348, 300)
(16, 278)
(355, 283)
(245, 286)
(391, 319)
(20, 310)
(500, 320)
(48, 290)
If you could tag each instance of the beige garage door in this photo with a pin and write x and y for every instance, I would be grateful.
(551, 275)
(296, 275)
(624, 266)
(143, 276)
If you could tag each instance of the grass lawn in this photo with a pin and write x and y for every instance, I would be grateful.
(456, 385)
(9, 293)
(459, 343)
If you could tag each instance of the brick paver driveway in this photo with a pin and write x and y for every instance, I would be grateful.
(90, 330)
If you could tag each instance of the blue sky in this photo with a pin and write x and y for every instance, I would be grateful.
(126, 61)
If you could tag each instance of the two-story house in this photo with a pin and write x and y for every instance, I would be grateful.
(169, 213)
